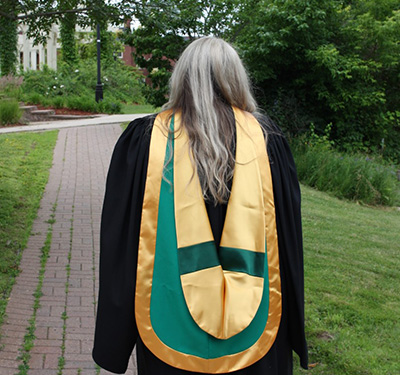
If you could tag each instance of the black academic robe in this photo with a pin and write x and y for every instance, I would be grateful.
(116, 332)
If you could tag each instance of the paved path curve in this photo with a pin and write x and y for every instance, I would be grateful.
(70, 209)
(49, 125)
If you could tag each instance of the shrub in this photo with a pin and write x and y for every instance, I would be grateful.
(88, 104)
(122, 82)
(10, 86)
(352, 176)
(34, 98)
(109, 106)
(57, 102)
(39, 82)
(81, 103)
(64, 86)
(9, 111)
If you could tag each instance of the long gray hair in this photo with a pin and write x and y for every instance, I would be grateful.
(208, 79)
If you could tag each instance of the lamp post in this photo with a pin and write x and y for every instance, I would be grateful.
(99, 86)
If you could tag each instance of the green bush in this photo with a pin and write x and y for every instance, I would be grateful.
(34, 98)
(82, 103)
(57, 102)
(352, 176)
(9, 111)
(88, 104)
(108, 106)
(10, 86)
(75, 88)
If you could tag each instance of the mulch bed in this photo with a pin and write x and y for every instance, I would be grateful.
(58, 111)
(67, 111)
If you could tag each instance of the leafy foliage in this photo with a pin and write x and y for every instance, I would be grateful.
(166, 27)
(67, 32)
(75, 88)
(327, 62)
(10, 86)
(9, 111)
(156, 53)
(312, 61)
(39, 16)
(8, 38)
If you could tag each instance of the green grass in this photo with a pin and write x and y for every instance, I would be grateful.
(137, 108)
(25, 160)
(352, 286)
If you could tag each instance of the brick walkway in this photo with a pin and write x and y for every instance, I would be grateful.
(63, 323)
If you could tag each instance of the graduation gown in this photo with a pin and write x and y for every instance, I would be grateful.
(116, 331)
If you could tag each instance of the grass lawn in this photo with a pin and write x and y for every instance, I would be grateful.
(352, 282)
(137, 108)
(25, 160)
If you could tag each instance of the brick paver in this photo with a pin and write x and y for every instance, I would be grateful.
(70, 207)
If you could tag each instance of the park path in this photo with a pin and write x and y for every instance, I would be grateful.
(53, 303)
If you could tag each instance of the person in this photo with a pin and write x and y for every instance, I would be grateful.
(201, 263)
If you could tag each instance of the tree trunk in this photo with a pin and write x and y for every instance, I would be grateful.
(67, 33)
(8, 38)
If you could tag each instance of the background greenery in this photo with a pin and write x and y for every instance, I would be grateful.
(327, 62)
(322, 69)
(9, 111)
(355, 176)
(75, 88)
(8, 38)
(311, 61)
(317, 65)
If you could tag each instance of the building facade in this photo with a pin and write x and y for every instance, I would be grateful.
(33, 57)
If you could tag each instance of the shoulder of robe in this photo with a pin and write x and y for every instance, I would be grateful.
(134, 140)
(138, 128)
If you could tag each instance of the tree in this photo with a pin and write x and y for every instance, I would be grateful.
(39, 16)
(325, 61)
(67, 31)
(8, 37)
(166, 27)
(274, 37)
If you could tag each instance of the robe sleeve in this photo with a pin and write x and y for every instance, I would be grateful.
(116, 332)
(288, 219)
